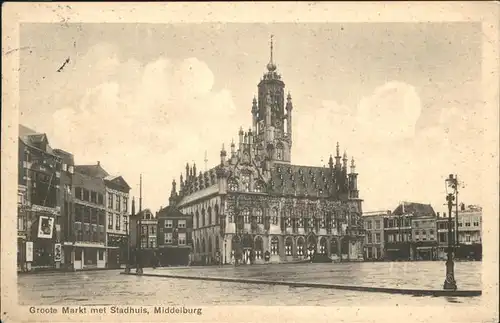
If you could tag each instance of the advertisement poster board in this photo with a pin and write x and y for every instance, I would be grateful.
(57, 252)
(45, 227)
(29, 251)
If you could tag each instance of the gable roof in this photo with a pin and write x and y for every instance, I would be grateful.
(92, 170)
(31, 138)
(118, 180)
(417, 209)
(170, 212)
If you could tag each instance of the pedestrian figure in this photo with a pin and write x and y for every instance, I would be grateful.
(267, 255)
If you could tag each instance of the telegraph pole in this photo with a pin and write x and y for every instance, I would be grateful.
(139, 229)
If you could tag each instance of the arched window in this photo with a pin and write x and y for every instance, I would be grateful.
(246, 215)
(210, 215)
(322, 246)
(258, 215)
(230, 216)
(300, 220)
(274, 246)
(202, 217)
(279, 151)
(258, 187)
(300, 246)
(232, 184)
(203, 246)
(245, 182)
(288, 215)
(197, 247)
(258, 247)
(322, 219)
(216, 214)
(274, 216)
(288, 246)
(197, 220)
(209, 245)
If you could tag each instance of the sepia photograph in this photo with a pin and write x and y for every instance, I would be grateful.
(167, 167)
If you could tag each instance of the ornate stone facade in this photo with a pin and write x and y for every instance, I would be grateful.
(255, 205)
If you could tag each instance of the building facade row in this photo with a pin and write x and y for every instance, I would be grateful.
(69, 216)
(413, 231)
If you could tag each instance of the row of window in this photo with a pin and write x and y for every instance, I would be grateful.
(406, 223)
(467, 224)
(368, 224)
(423, 232)
(181, 238)
(87, 195)
(116, 220)
(67, 168)
(370, 240)
(399, 237)
(443, 238)
(233, 185)
(148, 243)
(117, 203)
(395, 223)
(181, 224)
(87, 214)
(152, 230)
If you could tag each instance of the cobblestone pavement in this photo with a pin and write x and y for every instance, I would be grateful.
(111, 288)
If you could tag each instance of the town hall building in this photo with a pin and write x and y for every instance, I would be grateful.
(257, 206)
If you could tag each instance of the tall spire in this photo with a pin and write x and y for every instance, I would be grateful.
(206, 160)
(140, 193)
(271, 66)
(271, 60)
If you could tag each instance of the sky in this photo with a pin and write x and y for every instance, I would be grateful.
(403, 99)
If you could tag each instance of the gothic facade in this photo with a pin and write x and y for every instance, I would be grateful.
(257, 206)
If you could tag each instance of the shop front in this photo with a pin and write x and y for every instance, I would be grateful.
(86, 256)
(174, 256)
(397, 252)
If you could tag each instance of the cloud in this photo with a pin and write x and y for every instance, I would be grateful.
(395, 161)
(150, 118)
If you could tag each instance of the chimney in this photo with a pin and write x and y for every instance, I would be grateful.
(98, 163)
(438, 214)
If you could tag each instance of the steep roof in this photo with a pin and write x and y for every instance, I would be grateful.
(92, 170)
(88, 182)
(67, 157)
(170, 211)
(301, 180)
(417, 209)
(32, 138)
(118, 180)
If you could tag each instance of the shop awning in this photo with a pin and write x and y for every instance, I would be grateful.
(85, 245)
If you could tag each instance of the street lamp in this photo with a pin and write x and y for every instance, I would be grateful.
(127, 266)
(450, 283)
(225, 250)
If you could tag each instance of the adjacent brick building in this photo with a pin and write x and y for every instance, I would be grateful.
(39, 211)
(374, 238)
(175, 234)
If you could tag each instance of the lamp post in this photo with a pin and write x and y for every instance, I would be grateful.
(225, 249)
(127, 266)
(139, 248)
(450, 283)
